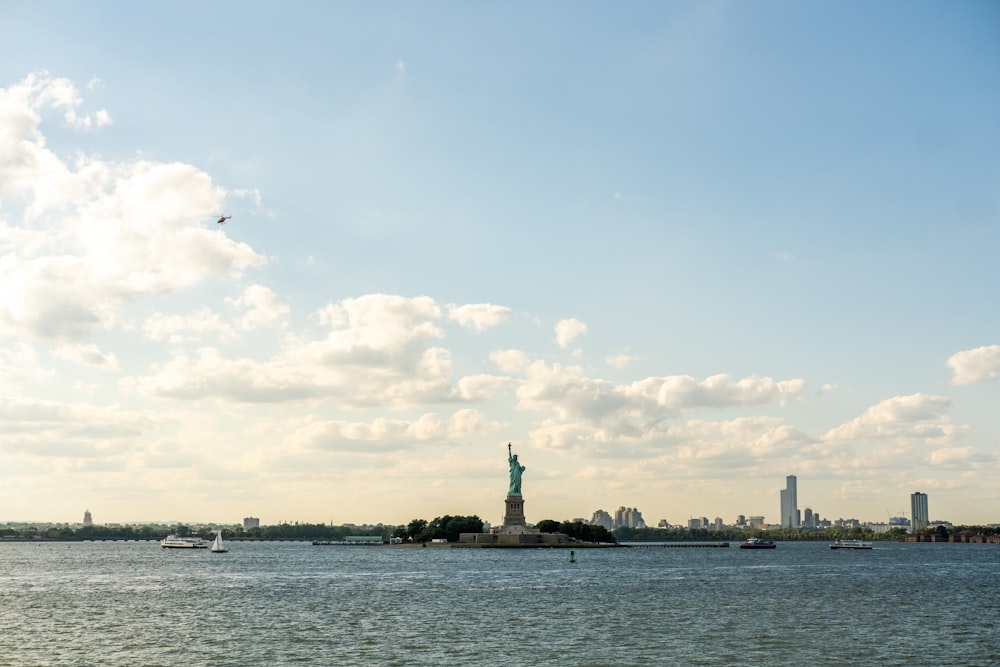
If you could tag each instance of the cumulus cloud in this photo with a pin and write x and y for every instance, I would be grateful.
(50, 428)
(381, 434)
(385, 323)
(481, 387)
(976, 365)
(511, 361)
(180, 328)
(478, 316)
(747, 438)
(377, 352)
(907, 417)
(89, 355)
(262, 307)
(39, 92)
(958, 457)
(686, 446)
(93, 235)
(18, 364)
(568, 330)
(620, 361)
(570, 393)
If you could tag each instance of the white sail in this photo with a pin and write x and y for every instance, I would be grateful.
(217, 546)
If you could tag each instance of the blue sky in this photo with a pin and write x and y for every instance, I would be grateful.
(672, 251)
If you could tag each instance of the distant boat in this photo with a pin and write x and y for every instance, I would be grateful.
(851, 544)
(217, 546)
(757, 543)
(175, 542)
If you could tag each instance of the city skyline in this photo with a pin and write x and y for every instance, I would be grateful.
(672, 252)
(632, 516)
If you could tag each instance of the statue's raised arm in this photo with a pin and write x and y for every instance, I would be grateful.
(515, 473)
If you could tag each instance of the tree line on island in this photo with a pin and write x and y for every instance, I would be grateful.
(451, 527)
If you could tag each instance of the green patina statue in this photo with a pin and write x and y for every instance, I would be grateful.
(515, 473)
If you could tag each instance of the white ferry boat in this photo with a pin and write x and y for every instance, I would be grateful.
(175, 542)
(851, 544)
(757, 543)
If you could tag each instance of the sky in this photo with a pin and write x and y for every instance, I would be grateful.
(671, 252)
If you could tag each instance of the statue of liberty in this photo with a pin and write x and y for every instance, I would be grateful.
(515, 473)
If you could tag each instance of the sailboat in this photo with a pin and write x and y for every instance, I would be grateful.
(217, 546)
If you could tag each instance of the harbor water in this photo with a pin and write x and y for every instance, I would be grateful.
(263, 603)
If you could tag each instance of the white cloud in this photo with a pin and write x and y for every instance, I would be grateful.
(620, 361)
(478, 316)
(917, 416)
(511, 361)
(96, 234)
(381, 434)
(262, 307)
(481, 387)
(22, 104)
(255, 197)
(682, 448)
(960, 457)
(568, 330)
(381, 322)
(180, 328)
(49, 428)
(976, 365)
(376, 353)
(747, 438)
(569, 393)
(89, 355)
(18, 365)
(467, 424)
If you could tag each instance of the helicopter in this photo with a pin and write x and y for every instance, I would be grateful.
(222, 219)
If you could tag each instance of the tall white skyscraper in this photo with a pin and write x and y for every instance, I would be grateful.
(918, 511)
(790, 504)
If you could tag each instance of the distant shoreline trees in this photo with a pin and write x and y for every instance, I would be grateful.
(445, 527)
(283, 531)
(578, 530)
(680, 534)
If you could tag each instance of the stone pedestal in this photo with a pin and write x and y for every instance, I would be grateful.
(515, 531)
(514, 514)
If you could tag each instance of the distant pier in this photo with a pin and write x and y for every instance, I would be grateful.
(679, 545)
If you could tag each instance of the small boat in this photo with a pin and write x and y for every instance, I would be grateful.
(757, 543)
(851, 544)
(217, 546)
(175, 542)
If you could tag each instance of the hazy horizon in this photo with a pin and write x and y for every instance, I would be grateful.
(673, 252)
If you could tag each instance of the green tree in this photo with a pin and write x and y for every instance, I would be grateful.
(548, 526)
(415, 528)
(578, 530)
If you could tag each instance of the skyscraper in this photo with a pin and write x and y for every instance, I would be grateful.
(628, 517)
(918, 511)
(790, 504)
